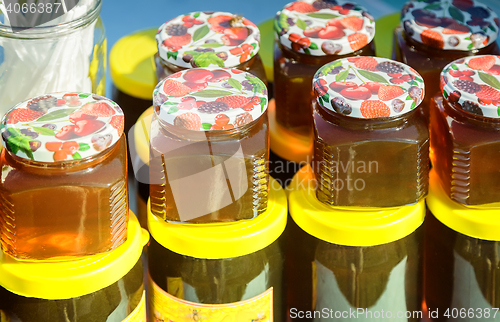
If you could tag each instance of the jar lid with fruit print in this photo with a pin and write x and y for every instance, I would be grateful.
(202, 39)
(450, 24)
(203, 99)
(62, 127)
(368, 87)
(472, 84)
(323, 27)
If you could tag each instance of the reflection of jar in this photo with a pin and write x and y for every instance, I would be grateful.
(202, 39)
(311, 34)
(209, 147)
(465, 131)
(370, 145)
(462, 251)
(100, 288)
(67, 54)
(230, 271)
(342, 260)
(64, 184)
(433, 35)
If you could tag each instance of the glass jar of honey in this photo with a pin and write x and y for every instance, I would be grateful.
(101, 288)
(349, 264)
(462, 247)
(64, 180)
(370, 142)
(209, 146)
(224, 272)
(465, 130)
(310, 34)
(202, 39)
(433, 34)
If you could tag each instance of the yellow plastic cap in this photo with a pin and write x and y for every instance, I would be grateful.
(141, 134)
(349, 226)
(266, 51)
(481, 223)
(73, 278)
(285, 143)
(224, 240)
(132, 65)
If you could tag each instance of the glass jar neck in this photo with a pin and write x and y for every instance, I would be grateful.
(459, 115)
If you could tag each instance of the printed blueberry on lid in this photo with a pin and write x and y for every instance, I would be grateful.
(450, 24)
(211, 98)
(62, 127)
(202, 39)
(472, 84)
(324, 27)
(368, 87)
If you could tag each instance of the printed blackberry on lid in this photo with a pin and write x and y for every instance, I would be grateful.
(473, 85)
(202, 99)
(450, 24)
(368, 87)
(202, 39)
(324, 27)
(62, 127)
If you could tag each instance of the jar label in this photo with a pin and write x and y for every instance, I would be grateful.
(166, 307)
(139, 313)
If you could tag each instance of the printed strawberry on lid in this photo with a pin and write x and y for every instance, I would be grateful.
(202, 39)
(472, 84)
(450, 24)
(368, 87)
(62, 127)
(322, 27)
(211, 98)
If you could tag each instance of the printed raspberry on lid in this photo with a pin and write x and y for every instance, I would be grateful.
(202, 39)
(62, 127)
(450, 24)
(203, 99)
(473, 85)
(323, 27)
(368, 87)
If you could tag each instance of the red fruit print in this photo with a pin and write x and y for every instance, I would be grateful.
(175, 43)
(226, 40)
(397, 75)
(23, 115)
(455, 29)
(482, 63)
(70, 147)
(372, 86)
(60, 155)
(221, 119)
(53, 146)
(117, 122)
(497, 21)
(344, 12)
(336, 22)
(247, 48)
(247, 22)
(248, 107)
(389, 92)
(234, 101)
(484, 101)
(320, 88)
(352, 23)
(293, 37)
(87, 127)
(357, 40)
(463, 4)
(99, 109)
(360, 93)
(339, 86)
(296, 46)
(61, 102)
(216, 127)
(255, 100)
(495, 70)
(175, 75)
(219, 23)
(189, 121)
(304, 42)
(467, 78)
(80, 116)
(312, 32)
(198, 75)
(331, 32)
(238, 33)
(366, 63)
(67, 132)
(455, 73)
(174, 88)
(236, 71)
(407, 78)
(353, 59)
(219, 75)
(228, 127)
(196, 87)
(428, 21)
(432, 38)
(468, 72)
(187, 103)
(301, 6)
(199, 103)
(396, 81)
(236, 51)
(488, 93)
(373, 109)
(243, 58)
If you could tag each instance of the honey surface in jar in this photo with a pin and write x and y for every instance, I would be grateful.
(311, 34)
(64, 183)
(465, 130)
(432, 35)
(202, 39)
(370, 142)
(209, 147)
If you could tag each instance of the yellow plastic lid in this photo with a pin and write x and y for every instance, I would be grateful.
(481, 223)
(73, 278)
(224, 240)
(285, 143)
(132, 64)
(266, 51)
(349, 226)
(141, 134)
